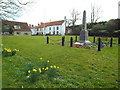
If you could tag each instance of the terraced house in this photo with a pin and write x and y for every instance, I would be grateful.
(52, 28)
(15, 28)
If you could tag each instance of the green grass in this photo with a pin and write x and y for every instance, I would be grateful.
(79, 68)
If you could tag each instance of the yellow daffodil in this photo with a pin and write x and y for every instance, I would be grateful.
(15, 49)
(51, 66)
(41, 58)
(46, 68)
(28, 71)
(8, 50)
(1, 45)
(5, 48)
(18, 50)
(34, 70)
(43, 68)
(48, 61)
(58, 67)
(54, 66)
(39, 70)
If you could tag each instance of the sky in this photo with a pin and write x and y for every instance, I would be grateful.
(53, 10)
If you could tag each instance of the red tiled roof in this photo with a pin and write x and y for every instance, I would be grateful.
(51, 24)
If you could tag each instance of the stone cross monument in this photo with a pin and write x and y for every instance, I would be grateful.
(84, 32)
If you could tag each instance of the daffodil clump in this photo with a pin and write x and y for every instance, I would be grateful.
(9, 52)
(45, 69)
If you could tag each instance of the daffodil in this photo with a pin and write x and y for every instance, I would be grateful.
(15, 49)
(58, 67)
(1, 44)
(34, 70)
(39, 70)
(46, 68)
(18, 50)
(28, 71)
(41, 58)
(54, 66)
(43, 68)
(51, 66)
(48, 61)
(8, 50)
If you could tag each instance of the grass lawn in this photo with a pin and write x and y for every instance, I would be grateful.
(79, 68)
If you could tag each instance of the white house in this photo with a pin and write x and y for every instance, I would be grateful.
(33, 29)
(52, 28)
(119, 9)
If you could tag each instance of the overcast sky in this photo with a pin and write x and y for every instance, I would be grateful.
(46, 10)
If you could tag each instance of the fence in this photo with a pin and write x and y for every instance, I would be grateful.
(99, 41)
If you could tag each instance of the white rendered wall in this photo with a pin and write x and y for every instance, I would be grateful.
(61, 29)
(34, 31)
(119, 9)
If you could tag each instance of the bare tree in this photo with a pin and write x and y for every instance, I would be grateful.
(74, 17)
(95, 13)
(9, 9)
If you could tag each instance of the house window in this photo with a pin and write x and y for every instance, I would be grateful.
(25, 33)
(16, 26)
(18, 33)
(57, 28)
(6, 27)
(53, 28)
(57, 32)
(49, 28)
(53, 32)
